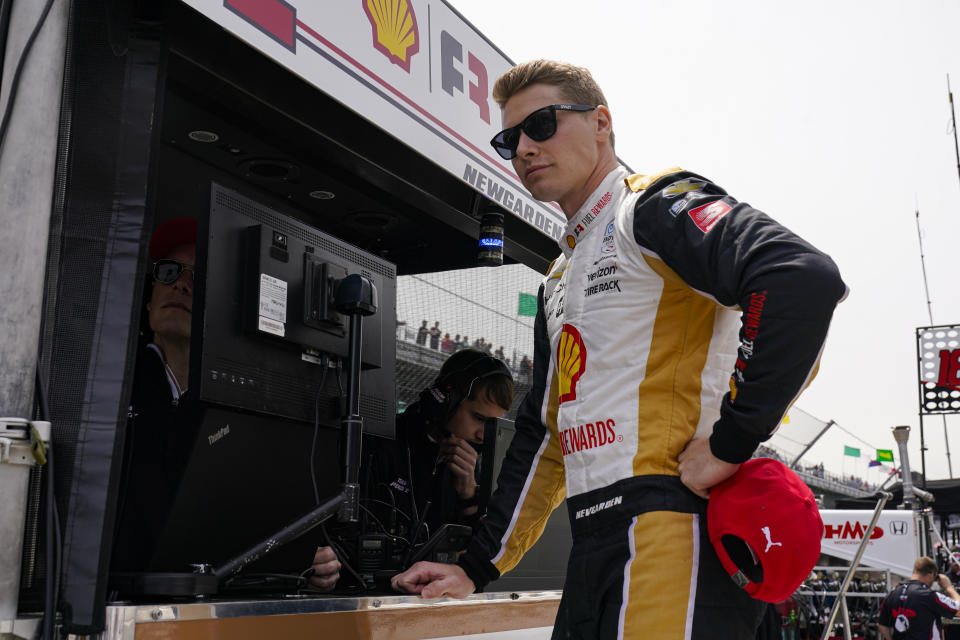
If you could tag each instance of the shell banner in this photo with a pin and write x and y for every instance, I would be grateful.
(414, 68)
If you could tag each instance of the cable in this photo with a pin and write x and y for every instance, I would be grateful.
(325, 363)
(384, 529)
(386, 504)
(416, 531)
(341, 556)
(376, 520)
(15, 82)
(413, 498)
(52, 550)
(393, 498)
(339, 380)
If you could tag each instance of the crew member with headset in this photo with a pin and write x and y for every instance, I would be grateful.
(427, 476)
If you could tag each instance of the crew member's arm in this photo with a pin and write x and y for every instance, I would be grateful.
(885, 619)
(947, 603)
(786, 289)
(529, 488)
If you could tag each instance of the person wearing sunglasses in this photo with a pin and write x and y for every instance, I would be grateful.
(673, 332)
(162, 420)
(170, 309)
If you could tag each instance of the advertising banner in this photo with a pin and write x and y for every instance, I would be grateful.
(415, 68)
(893, 544)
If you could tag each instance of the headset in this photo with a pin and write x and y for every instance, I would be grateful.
(440, 401)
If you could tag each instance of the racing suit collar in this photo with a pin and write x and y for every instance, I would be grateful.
(579, 225)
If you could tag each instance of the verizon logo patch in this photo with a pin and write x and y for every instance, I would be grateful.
(708, 215)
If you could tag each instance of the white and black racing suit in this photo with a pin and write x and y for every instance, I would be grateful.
(675, 311)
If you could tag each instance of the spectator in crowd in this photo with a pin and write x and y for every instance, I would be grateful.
(499, 353)
(526, 369)
(435, 335)
(465, 343)
(456, 343)
(422, 334)
(447, 345)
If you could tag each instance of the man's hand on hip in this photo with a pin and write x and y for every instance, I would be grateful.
(434, 580)
(700, 469)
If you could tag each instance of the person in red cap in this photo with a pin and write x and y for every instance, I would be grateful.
(912, 610)
(162, 418)
(173, 248)
(672, 334)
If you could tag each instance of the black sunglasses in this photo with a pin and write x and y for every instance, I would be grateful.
(167, 271)
(539, 125)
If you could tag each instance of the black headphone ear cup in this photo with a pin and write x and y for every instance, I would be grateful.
(434, 405)
(454, 398)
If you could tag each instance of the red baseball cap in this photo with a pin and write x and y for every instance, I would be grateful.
(172, 234)
(764, 524)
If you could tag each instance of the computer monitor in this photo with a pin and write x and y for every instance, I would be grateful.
(271, 338)
(272, 369)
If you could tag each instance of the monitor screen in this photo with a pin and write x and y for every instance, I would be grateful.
(272, 341)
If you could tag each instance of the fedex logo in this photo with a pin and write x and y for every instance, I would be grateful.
(849, 530)
(451, 76)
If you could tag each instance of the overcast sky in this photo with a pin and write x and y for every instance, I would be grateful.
(833, 118)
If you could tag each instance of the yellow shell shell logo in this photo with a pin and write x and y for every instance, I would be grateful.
(571, 362)
(395, 32)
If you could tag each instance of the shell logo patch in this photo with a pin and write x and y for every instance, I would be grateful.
(571, 362)
(395, 32)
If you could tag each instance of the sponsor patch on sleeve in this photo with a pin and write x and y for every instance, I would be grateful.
(708, 215)
(948, 602)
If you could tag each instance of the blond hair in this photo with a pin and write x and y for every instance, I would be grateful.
(575, 83)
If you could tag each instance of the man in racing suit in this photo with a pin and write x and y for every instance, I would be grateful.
(643, 397)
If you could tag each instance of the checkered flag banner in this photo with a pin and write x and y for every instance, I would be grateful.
(938, 360)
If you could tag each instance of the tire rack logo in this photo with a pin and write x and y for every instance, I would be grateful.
(395, 32)
(571, 362)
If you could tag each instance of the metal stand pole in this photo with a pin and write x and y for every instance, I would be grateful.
(356, 296)
(840, 602)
